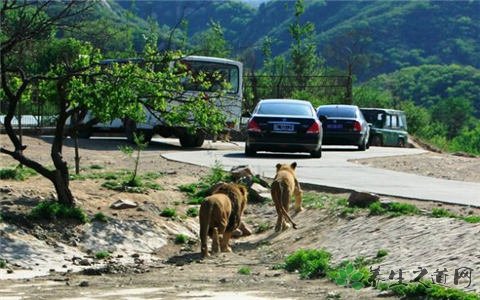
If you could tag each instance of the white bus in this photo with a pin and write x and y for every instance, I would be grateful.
(230, 103)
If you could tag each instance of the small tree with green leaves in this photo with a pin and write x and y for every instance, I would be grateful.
(140, 145)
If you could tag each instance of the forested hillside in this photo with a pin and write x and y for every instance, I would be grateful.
(396, 33)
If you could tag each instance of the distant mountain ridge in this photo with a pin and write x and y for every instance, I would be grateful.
(403, 33)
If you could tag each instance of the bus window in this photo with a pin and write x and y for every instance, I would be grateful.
(217, 74)
(394, 121)
(388, 121)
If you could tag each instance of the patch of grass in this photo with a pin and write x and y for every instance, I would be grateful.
(471, 219)
(181, 239)
(52, 210)
(192, 212)
(310, 263)
(100, 217)
(189, 188)
(442, 213)
(216, 174)
(153, 186)
(17, 173)
(381, 253)
(151, 175)
(262, 227)
(3, 264)
(102, 255)
(393, 209)
(96, 167)
(195, 200)
(168, 212)
(313, 200)
(427, 290)
(245, 271)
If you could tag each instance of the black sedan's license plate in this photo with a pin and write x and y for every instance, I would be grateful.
(334, 126)
(283, 127)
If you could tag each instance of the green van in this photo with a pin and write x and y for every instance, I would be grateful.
(389, 127)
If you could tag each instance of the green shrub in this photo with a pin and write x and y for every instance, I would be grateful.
(96, 167)
(51, 210)
(18, 173)
(244, 271)
(100, 217)
(102, 255)
(393, 209)
(181, 239)
(192, 212)
(471, 219)
(397, 209)
(381, 253)
(216, 175)
(133, 182)
(189, 188)
(428, 290)
(153, 186)
(376, 209)
(442, 213)
(349, 274)
(195, 200)
(310, 263)
(262, 227)
(168, 212)
(3, 264)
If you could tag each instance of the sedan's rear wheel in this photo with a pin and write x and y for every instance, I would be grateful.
(316, 153)
(249, 151)
(363, 146)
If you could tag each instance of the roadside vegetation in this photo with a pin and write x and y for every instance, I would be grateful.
(53, 210)
(337, 205)
(197, 191)
(18, 173)
(357, 274)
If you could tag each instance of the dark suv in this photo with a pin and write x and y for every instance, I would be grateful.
(389, 127)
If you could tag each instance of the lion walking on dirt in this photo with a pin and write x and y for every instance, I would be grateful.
(220, 214)
(284, 186)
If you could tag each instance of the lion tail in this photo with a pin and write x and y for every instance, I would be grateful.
(205, 216)
(285, 198)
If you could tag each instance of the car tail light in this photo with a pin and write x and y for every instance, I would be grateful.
(357, 126)
(314, 128)
(253, 126)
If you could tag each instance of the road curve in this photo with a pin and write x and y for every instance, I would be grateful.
(334, 170)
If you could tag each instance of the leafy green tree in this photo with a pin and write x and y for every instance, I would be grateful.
(303, 51)
(468, 141)
(455, 113)
(72, 76)
(211, 42)
(365, 96)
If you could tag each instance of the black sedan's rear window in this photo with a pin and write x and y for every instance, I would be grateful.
(337, 112)
(292, 109)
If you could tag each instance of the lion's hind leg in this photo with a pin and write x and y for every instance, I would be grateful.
(298, 197)
(215, 240)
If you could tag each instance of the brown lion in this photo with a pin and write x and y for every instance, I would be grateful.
(284, 186)
(220, 214)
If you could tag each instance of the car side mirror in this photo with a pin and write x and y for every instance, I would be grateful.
(322, 118)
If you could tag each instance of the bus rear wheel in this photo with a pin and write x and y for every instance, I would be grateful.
(192, 140)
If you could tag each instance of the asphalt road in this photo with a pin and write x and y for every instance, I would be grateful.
(334, 170)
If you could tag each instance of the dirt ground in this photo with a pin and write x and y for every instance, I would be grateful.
(176, 271)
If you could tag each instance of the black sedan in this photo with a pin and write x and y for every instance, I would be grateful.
(344, 125)
(284, 125)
